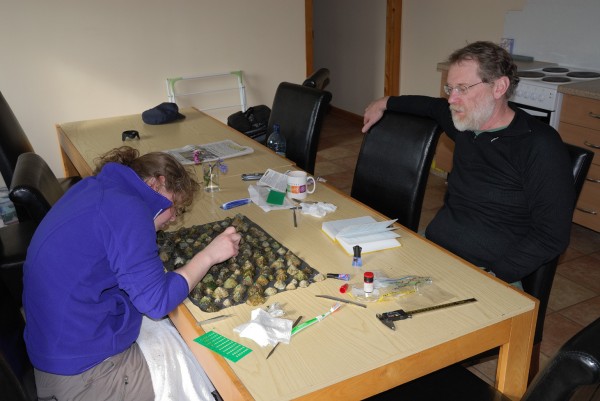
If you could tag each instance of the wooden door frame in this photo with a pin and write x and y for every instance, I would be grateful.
(393, 32)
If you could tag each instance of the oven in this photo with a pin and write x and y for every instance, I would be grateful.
(537, 92)
(548, 116)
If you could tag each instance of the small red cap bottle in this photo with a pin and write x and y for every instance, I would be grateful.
(368, 280)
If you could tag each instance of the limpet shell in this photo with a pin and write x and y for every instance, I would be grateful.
(255, 300)
(271, 291)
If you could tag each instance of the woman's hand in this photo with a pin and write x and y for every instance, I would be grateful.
(221, 248)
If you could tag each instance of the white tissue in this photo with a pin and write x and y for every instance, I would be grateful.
(318, 209)
(259, 195)
(265, 329)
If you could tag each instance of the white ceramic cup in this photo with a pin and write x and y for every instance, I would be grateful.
(297, 184)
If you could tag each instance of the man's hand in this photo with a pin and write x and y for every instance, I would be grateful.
(373, 113)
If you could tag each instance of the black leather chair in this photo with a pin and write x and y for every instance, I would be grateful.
(539, 283)
(34, 187)
(34, 190)
(16, 372)
(14, 240)
(393, 166)
(14, 142)
(572, 374)
(318, 79)
(299, 110)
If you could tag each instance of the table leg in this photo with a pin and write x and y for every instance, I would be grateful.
(515, 356)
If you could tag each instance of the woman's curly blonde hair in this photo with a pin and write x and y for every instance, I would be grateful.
(178, 180)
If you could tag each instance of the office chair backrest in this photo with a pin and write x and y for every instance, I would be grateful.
(318, 79)
(299, 110)
(13, 141)
(393, 166)
(34, 187)
(576, 364)
(539, 283)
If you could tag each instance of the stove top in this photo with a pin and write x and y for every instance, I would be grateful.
(558, 75)
(539, 87)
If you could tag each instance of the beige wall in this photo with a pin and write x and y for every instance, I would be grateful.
(353, 43)
(69, 60)
(432, 29)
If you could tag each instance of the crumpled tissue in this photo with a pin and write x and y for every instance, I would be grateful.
(265, 329)
(318, 209)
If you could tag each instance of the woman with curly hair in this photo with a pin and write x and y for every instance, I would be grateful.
(93, 272)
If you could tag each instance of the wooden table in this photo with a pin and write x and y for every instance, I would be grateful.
(350, 355)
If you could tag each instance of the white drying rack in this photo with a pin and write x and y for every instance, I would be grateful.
(176, 88)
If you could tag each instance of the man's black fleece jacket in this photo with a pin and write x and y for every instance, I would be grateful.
(510, 196)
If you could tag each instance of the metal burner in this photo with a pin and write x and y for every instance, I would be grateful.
(556, 79)
(530, 74)
(583, 74)
(555, 70)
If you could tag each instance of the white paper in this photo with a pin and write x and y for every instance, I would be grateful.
(364, 231)
(368, 229)
(274, 180)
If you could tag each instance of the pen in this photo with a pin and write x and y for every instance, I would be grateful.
(345, 277)
(252, 176)
(235, 203)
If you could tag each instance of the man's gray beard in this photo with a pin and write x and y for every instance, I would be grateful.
(479, 116)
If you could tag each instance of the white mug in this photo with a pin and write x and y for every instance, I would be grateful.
(297, 184)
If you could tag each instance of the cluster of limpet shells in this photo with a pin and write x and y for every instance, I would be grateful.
(262, 268)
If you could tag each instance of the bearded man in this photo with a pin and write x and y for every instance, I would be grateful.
(510, 195)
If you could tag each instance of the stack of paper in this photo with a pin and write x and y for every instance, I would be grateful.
(365, 232)
(209, 152)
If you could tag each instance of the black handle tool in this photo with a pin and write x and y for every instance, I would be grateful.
(388, 318)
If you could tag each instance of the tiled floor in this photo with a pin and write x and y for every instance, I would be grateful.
(575, 297)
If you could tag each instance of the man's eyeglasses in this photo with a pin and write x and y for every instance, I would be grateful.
(460, 89)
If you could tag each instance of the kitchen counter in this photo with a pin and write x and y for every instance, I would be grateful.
(588, 89)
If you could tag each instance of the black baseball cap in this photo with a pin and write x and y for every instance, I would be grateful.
(162, 114)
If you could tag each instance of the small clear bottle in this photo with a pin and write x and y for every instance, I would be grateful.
(276, 141)
(368, 283)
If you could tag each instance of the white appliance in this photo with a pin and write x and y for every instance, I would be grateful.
(537, 91)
